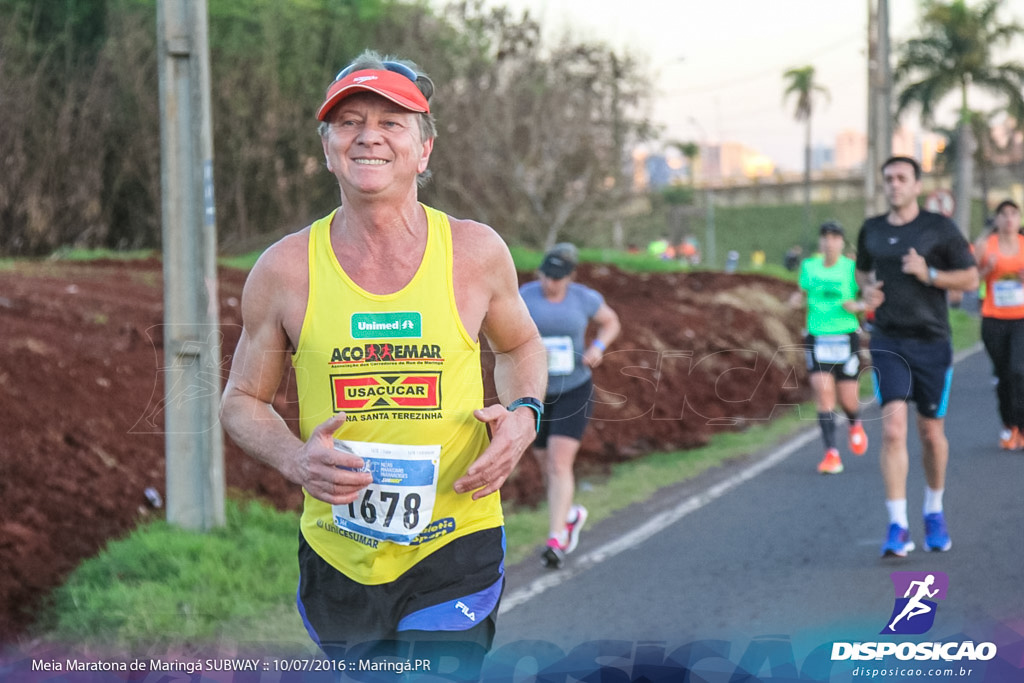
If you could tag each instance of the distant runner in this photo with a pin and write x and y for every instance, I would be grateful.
(562, 310)
(1000, 258)
(907, 260)
(833, 341)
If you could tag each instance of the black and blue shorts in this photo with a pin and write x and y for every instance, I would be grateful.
(446, 604)
(915, 370)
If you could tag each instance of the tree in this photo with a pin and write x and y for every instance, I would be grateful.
(679, 199)
(955, 55)
(986, 146)
(690, 150)
(538, 132)
(802, 85)
(270, 63)
(533, 138)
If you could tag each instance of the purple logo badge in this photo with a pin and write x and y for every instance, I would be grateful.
(916, 593)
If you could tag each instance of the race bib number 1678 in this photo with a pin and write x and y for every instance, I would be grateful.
(399, 504)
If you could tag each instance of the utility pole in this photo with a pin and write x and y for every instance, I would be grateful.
(618, 140)
(194, 447)
(880, 122)
(710, 257)
(709, 227)
(964, 172)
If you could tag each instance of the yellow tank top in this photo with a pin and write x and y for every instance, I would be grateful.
(407, 374)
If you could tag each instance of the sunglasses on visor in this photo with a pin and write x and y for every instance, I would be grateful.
(394, 67)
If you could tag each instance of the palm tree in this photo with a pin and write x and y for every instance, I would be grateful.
(690, 150)
(805, 88)
(679, 197)
(954, 54)
(985, 146)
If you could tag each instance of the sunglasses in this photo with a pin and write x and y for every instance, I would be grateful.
(394, 67)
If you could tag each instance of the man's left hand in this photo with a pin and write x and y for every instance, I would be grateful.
(511, 434)
(914, 264)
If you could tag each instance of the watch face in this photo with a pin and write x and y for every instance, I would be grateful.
(532, 403)
(526, 401)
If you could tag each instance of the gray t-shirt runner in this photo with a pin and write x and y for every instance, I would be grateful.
(562, 326)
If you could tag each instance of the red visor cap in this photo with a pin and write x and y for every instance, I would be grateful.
(388, 84)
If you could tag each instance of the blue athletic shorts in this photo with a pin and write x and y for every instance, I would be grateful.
(913, 370)
(566, 414)
(448, 601)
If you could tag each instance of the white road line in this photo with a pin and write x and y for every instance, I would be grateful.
(652, 526)
(642, 533)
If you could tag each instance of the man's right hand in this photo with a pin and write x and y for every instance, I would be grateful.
(329, 474)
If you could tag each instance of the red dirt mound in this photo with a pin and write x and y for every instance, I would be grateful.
(81, 381)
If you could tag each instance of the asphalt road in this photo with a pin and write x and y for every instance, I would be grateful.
(760, 566)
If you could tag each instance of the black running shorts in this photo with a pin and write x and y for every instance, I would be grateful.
(835, 354)
(566, 414)
(446, 604)
(913, 370)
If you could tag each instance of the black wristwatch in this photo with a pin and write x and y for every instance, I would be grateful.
(534, 404)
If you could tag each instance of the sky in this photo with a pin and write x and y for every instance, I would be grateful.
(719, 63)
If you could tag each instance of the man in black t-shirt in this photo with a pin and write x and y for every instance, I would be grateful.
(907, 260)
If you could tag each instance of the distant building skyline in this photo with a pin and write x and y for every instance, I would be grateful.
(731, 160)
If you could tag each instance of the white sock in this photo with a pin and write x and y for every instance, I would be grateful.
(898, 512)
(932, 500)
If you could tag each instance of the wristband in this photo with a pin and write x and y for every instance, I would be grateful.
(536, 405)
(599, 344)
(932, 274)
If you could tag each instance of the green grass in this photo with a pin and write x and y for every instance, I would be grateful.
(966, 329)
(77, 254)
(773, 229)
(776, 228)
(240, 261)
(164, 585)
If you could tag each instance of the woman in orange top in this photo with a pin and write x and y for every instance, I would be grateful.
(1000, 257)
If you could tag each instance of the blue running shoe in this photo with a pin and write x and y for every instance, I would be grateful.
(898, 544)
(936, 537)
